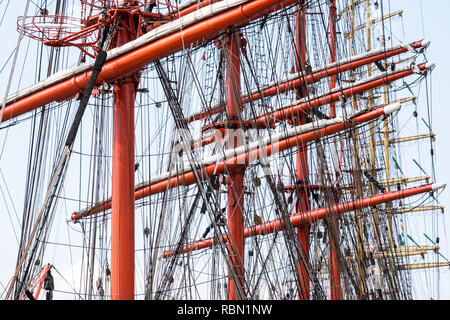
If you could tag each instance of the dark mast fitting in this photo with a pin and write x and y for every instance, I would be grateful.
(255, 143)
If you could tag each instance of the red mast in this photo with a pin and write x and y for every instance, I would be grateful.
(333, 18)
(302, 170)
(122, 220)
(334, 268)
(235, 181)
(124, 73)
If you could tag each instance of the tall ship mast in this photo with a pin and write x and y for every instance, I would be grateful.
(218, 150)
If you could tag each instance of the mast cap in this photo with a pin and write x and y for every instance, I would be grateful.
(390, 108)
(438, 185)
(425, 43)
(430, 65)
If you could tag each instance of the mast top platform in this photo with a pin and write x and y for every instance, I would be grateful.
(159, 5)
(86, 30)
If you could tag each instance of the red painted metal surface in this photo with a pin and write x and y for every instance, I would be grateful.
(37, 283)
(235, 179)
(334, 265)
(301, 168)
(122, 219)
(309, 217)
(333, 51)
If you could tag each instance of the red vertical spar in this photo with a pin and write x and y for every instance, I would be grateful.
(122, 220)
(334, 268)
(302, 170)
(332, 51)
(41, 281)
(37, 283)
(235, 179)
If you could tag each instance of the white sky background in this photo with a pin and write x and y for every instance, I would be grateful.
(435, 27)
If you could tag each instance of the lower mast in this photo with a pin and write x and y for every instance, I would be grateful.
(235, 181)
(122, 220)
(302, 170)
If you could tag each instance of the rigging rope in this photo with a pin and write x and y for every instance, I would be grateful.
(13, 66)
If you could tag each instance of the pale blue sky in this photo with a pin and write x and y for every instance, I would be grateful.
(435, 27)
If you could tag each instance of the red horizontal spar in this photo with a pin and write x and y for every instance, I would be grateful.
(326, 98)
(137, 59)
(307, 105)
(188, 178)
(303, 79)
(310, 216)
